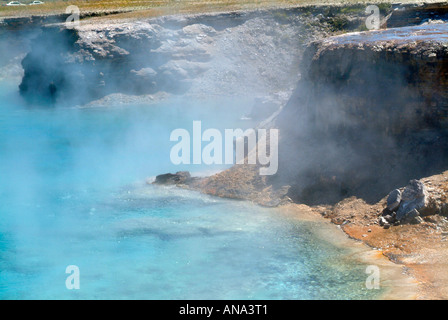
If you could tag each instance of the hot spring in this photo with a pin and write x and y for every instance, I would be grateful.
(72, 192)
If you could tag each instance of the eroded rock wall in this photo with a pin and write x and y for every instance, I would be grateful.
(369, 114)
(217, 54)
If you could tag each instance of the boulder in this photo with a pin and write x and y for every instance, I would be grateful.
(412, 217)
(405, 207)
(181, 177)
(414, 197)
(393, 200)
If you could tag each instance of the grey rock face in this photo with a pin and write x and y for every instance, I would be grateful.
(211, 54)
(415, 189)
(363, 89)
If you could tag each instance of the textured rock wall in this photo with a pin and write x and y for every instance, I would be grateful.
(231, 54)
(369, 114)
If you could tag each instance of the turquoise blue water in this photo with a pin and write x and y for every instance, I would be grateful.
(72, 192)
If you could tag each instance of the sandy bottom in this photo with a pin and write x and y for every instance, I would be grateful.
(395, 279)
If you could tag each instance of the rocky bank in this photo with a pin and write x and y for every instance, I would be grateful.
(366, 117)
(363, 140)
(366, 112)
(206, 55)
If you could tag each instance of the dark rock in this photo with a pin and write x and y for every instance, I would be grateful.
(386, 212)
(394, 199)
(387, 220)
(47, 74)
(181, 177)
(412, 217)
(371, 100)
(391, 218)
(411, 14)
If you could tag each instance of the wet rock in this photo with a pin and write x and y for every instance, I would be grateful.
(181, 177)
(394, 199)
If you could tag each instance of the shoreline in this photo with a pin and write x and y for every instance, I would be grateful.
(418, 250)
(421, 250)
(413, 258)
(395, 280)
(398, 284)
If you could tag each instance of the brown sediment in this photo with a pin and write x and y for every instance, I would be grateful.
(413, 259)
(421, 249)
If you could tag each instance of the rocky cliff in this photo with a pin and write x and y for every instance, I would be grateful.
(370, 113)
(210, 54)
(365, 118)
(228, 53)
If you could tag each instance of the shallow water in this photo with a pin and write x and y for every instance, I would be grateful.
(71, 194)
(428, 33)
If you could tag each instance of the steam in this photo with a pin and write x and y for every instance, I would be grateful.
(219, 53)
(339, 135)
(355, 126)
